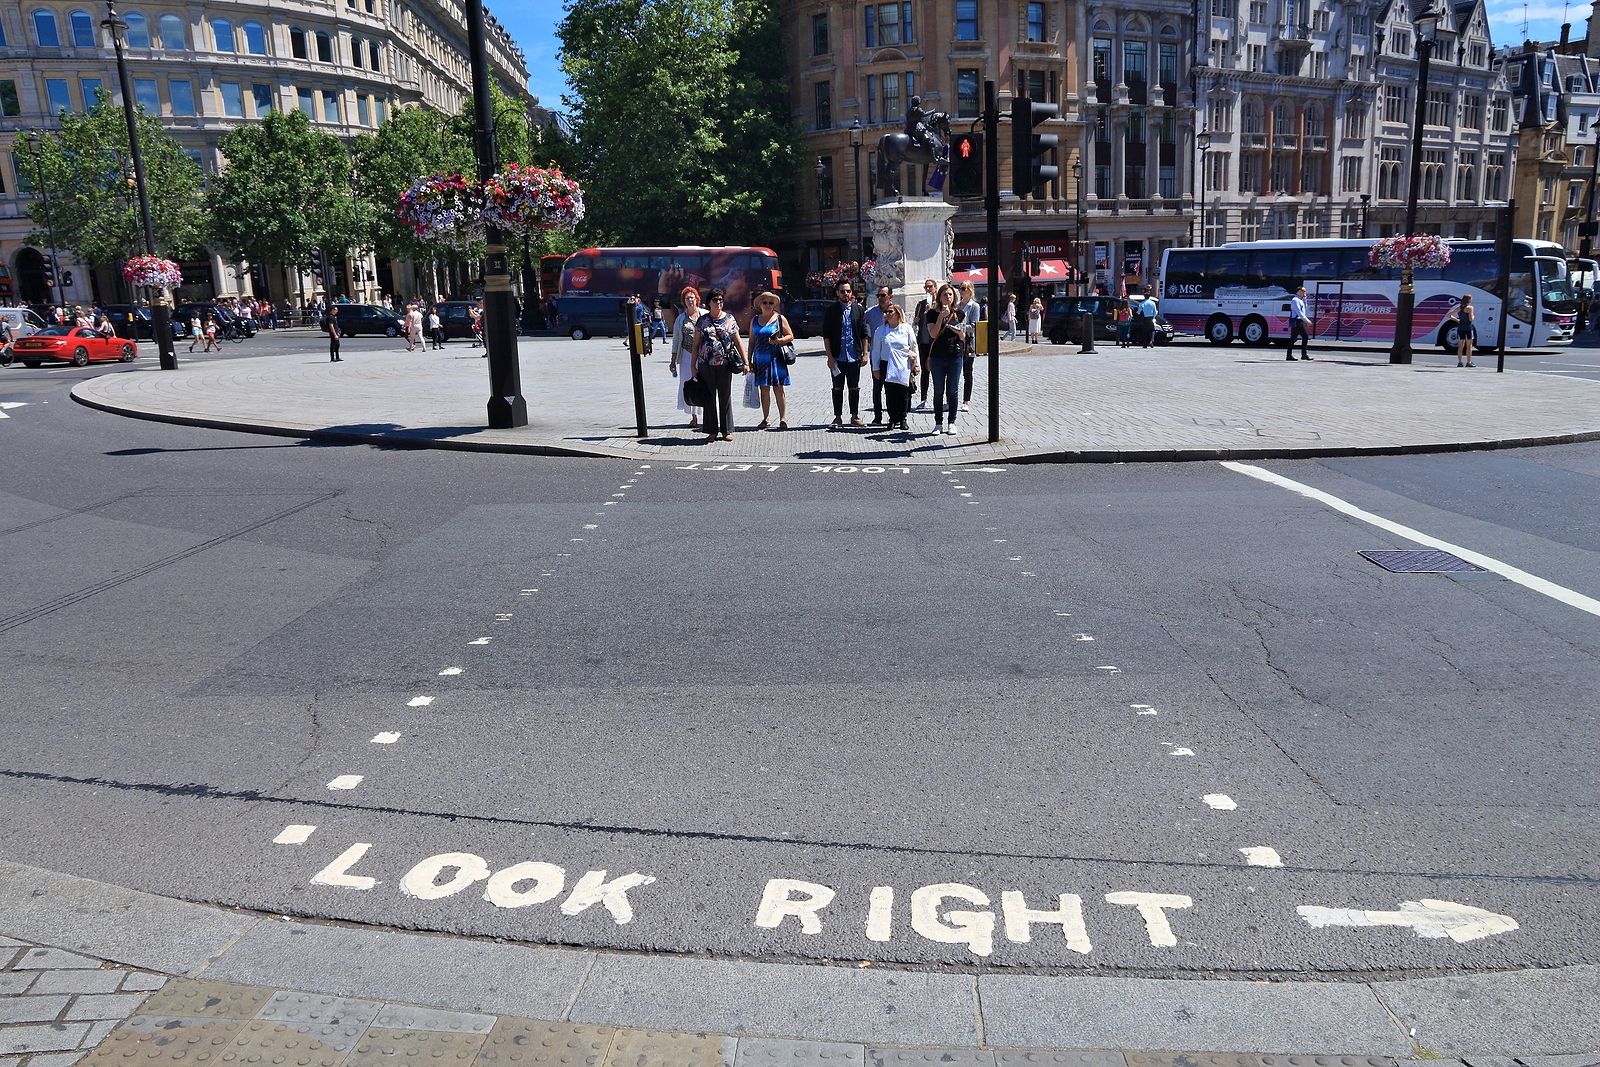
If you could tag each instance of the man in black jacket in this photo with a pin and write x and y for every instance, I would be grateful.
(844, 333)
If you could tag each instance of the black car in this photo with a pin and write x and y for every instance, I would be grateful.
(1063, 319)
(136, 323)
(456, 315)
(805, 317)
(227, 319)
(370, 320)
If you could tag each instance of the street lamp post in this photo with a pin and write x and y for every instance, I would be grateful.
(1083, 258)
(1427, 24)
(855, 179)
(507, 408)
(1203, 140)
(1366, 202)
(822, 172)
(49, 223)
(160, 311)
(1088, 262)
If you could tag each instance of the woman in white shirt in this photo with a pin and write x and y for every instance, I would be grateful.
(971, 312)
(894, 363)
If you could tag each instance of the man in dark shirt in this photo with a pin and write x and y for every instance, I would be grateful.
(844, 332)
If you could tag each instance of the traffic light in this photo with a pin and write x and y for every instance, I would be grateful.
(1029, 172)
(66, 278)
(966, 165)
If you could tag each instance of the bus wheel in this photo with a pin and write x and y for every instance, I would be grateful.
(1450, 338)
(1219, 331)
(1253, 331)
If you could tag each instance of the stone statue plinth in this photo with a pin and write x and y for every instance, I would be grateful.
(912, 240)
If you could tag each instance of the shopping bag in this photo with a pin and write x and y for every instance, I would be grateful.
(752, 395)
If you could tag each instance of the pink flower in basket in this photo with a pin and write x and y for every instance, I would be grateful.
(443, 208)
(1418, 251)
(152, 272)
(531, 199)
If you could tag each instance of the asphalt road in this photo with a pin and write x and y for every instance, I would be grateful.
(791, 715)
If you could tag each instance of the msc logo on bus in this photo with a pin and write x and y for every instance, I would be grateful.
(1185, 290)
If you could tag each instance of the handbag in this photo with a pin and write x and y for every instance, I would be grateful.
(695, 393)
(784, 354)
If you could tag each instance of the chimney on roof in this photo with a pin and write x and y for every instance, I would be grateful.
(1566, 34)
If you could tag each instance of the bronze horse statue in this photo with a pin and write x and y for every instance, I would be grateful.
(928, 145)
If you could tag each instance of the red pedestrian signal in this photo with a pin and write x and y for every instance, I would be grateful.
(966, 148)
(966, 166)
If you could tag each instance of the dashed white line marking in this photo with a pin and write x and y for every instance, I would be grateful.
(481, 641)
(1528, 581)
(294, 834)
(966, 494)
(502, 616)
(616, 495)
(419, 702)
(1176, 751)
(591, 526)
(1014, 559)
(1029, 574)
(386, 737)
(575, 540)
(1109, 669)
(1261, 856)
(1082, 637)
(999, 540)
(958, 487)
(607, 503)
(1219, 801)
(1143, 709)
(449, 672)
(345, 781)
(1063, 614)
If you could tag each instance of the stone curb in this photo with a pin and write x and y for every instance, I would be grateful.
(1519, 1013)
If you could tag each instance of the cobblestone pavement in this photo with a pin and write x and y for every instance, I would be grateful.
(1160, 403)
(59, 1008)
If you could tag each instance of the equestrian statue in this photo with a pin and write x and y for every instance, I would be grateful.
(925, 140)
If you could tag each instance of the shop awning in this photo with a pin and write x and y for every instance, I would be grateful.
(976, 275)
(1052, 270)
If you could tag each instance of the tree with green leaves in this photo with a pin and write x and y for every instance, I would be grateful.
(94, 206)
(681, 115)
(285, 191)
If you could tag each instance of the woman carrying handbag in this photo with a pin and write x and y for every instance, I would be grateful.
(771, 340)
(719, 355)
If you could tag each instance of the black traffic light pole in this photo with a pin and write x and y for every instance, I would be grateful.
(991, 211)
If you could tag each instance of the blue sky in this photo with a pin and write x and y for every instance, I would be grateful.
(533, 24)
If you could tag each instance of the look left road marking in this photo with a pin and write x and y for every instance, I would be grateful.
(419, 702)
(1505, 570)
(9, 405)
(294, 834)
(345, 781)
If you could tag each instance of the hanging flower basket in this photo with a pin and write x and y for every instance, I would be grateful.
(864, 272)
(444, 209)
(525, 200)
(152, 272)
(1415, 252)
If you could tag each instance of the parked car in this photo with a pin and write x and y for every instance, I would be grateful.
(370, 320)
(229, 323)
(805, 316)
(24, 321)
(136, 322)
(1063, 319)
(72, 344)
(580, 317)
(457, 317)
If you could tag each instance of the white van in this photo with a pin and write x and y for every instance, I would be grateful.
(23, 321)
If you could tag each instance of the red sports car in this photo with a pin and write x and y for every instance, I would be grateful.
(72, 344)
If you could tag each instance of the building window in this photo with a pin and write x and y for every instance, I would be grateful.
(363, 111)
(1574, 193)
(1500, 114)
(1136, 70)
(822, 93)
(1218, 164)
(1102, 70)
(1250, 174)
(1167, 179)
(1222, 9)
(374, 56)
(1319, 65)
(1167, 72)
(261, 96)
(819, 35)
(1433, 161)
(138, 31)
(304, 102)
(966, 20)
(9, 103)
(181, 92)
(232, 94)
(1035, 21)
(173, 36)
(884, 90)
(1479, 54)
(1494, 177)
(1217, 53)
(1437, 110)
(967, 93)
(146, 96)
(1250, 224)
(825, 184)
(330, 106)
(1219, 115)
(1355, 123)
(1467, 178)
(1389, 162)
(1472, 111)
(1258, 11)
(255, 39)
(1252, 117)
(297, 43)
(1321, 20)
(1358, 67)
(324, 47)
(82, 24)
(1311, 176)
(91, 89)
(45, 32)
(2, 33)
(358, 57)
(1350, 174)
(1400, 43)
(222, 33)
(1258, 57)
(1394, 103)
(889, 24)
(1283, 174)
(57, 97)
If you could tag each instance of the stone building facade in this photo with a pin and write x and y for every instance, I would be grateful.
(1556, 107)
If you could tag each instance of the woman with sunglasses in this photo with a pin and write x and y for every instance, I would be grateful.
(894, 363)
(946, 353)
(683, 348)
(768, 330)
(719, 354)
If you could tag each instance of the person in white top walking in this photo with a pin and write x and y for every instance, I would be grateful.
(1299, 325)
(894, 363)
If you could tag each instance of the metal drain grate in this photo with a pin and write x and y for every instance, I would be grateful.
(1419, 561)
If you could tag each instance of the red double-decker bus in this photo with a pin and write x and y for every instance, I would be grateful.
(661, 273)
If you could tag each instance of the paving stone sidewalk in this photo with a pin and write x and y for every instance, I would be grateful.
(1180, 402)
(59, 1008)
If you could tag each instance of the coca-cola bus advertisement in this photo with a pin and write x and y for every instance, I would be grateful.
(662, 273)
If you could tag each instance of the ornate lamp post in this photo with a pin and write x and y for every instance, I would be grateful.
(855, 179)
(160, 311)
(822, 172)
(1427, 25)
(507, 408)
(49, 223)
(1203, 140)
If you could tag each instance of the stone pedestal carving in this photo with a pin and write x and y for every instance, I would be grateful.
(912, 240)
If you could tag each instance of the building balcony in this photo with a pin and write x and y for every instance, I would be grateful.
(1290, 141)
(1252, 140)
(1294, 36)
(1316, 144)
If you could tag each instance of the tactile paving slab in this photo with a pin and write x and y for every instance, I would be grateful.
(405, 1017)
(184, 998)
(1248, 1059)
(335, 1021)
(643, 1048)
(260, 1042)
(779, 1052)
(383, 1047)
(153, 1040)
(1033, 1058)
(929, 1057)
(524, 1041)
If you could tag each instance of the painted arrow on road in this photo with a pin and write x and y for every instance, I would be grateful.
(1429, 918)
(981, 470)
(6, 406)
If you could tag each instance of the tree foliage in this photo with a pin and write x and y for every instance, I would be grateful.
(286, 191)
(682, 119)
(87, 169)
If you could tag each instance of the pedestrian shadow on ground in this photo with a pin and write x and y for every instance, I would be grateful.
(391, 433)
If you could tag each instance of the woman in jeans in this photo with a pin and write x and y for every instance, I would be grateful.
(971, 313)
(945, 355)
(719, 355)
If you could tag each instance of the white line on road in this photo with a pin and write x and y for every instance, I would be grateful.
(419, 702)
(387, 737)
(502, 616)
(1488, 563)
(481, 641)
(294, 834)
(1219, 801)
(1261, 856)
(1173, 750)
(449, 671)
(345, 781)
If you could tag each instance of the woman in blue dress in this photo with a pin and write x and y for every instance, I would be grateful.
(768, 330)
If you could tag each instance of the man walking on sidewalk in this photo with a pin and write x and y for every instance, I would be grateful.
(844, 332)
(1299, 325)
